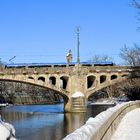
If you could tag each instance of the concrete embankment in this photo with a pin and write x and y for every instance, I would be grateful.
(103, 125)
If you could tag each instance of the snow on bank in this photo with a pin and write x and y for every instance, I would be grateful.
(105, 101)
(87, 131)
(129, 127)
(7, 131)
(4, 104)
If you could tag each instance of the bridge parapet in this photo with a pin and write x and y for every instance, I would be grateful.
(68, 69)
(112, 69)
(103, 125)
(41, 70)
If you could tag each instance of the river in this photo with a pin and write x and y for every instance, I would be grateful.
(45, 122)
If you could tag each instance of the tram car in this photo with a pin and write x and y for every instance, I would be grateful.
(63, 64)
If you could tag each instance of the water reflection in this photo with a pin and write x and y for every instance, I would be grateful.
(46, 124)
(35, 123)
(74, 121)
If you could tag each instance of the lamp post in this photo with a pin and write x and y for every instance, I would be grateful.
(78, 44)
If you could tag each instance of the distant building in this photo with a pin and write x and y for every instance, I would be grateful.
(69, 56)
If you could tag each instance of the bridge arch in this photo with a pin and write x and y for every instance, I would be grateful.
(90, 81)
(64, 81)
(114, 76)
(117, 80)
(41, 78)
(52, 80)
(124, 75)
(102, 78)
(39, 83)
(30, 77)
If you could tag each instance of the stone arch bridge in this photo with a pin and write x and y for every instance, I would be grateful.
(74, 83)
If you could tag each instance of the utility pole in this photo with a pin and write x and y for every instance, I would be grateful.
(78, 44)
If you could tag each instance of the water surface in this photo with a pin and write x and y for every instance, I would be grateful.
(45, 122)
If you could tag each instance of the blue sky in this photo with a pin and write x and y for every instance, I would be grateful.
(43, 30)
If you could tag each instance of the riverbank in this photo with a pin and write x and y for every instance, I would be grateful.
(105, 101)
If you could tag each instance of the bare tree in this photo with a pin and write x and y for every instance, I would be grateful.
(131, 55)
(100, 58)
(136, 4)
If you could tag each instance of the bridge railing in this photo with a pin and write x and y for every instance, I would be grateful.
(41, 70)
(103, 125)
(110, 69)
(84, 69)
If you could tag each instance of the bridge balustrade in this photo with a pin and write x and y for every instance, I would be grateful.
(103, 125)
